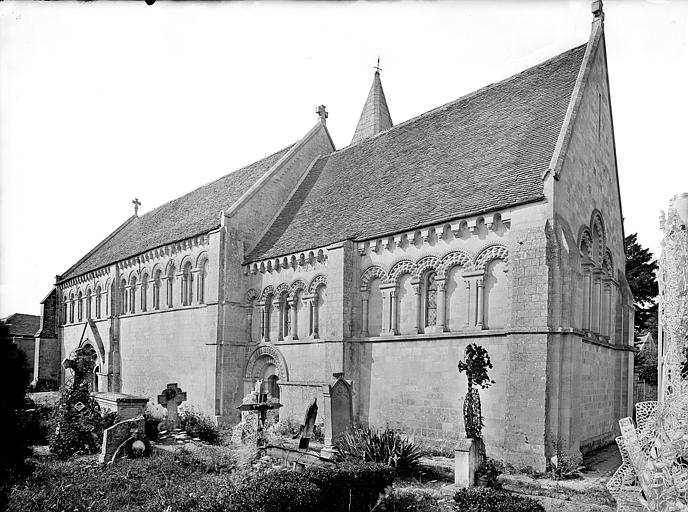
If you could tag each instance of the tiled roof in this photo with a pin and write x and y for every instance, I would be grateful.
(192, 214)
(482, 152)
(375, 116)
(22, 325)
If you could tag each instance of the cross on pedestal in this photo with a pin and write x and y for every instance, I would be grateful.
(171, 398)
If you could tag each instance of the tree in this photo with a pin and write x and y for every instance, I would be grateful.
(640, 274)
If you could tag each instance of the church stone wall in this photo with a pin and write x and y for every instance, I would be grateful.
(171, 346)
(588, 369)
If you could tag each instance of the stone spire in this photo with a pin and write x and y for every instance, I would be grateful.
(375, 116)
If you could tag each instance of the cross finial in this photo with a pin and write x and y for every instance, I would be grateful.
(137, 203)
(322, 113)
(377, 67)
(597, 9)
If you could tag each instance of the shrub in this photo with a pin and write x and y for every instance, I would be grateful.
(490, 469)
(150, 484)
(563, 465)
(386, 446)
(153, 415)
(13, 381)
(197, 424)
(478, 499)
(207, 459)
(275, 490)
(350, 485)
(401, 500)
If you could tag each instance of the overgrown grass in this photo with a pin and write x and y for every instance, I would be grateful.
(162, 482)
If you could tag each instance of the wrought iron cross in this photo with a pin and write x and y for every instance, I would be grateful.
(378, 68)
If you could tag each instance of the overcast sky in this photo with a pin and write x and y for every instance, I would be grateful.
(103, 102)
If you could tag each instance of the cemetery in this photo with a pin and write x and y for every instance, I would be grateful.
(445, 315)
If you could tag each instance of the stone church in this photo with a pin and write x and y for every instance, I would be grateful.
(494, 219)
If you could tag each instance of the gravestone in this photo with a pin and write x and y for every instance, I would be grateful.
(306, 431)
(171, 398)
(116, 436)
(339, 417)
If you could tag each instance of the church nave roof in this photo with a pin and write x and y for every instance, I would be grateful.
(485, 151)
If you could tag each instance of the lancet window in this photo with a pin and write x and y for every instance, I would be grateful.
(157, 283)
(99, 296)
(144, 293)
(187, 284)
(123, 296)
(71, 308)
(430, 299)
(80, 307)
(202, 274)
(88, 303)
(170, 287)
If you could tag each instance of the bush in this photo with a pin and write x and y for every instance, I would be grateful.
(150, 484)
(478, 499)
(350, 485)
(13, 381)
(197, 424)
(207, 459)
(153, 415)
(386, 446)
(401, 500)
(275, 490)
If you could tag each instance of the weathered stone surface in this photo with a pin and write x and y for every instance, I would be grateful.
(117, 434)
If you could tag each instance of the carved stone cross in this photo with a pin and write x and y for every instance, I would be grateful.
(322, 113)
(171, 398)
(137, 203)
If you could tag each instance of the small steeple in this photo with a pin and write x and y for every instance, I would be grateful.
(375, 116)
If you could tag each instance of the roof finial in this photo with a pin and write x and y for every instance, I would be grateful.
(137, 203)
(322, 113)
(597, 9)
(377, 68)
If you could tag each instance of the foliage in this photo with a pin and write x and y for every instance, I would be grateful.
(640, 274)
(401, 500)
(483, 499)
(153, 415)
(490, 469)
(79, 423)
(563, 465)
(275, 490)
(207, 459)
(13, 382)
(386, 446)
(38, 422)
(149, 484)
(475, 366)
(197, 424)
(350, 485)
(291, 428)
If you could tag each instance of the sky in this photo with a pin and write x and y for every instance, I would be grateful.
(103, 102)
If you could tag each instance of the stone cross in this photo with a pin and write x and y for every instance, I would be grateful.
(171, 398)
(322, 113)
(137, 203)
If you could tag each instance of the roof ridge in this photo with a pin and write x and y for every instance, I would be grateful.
(465, 97)
(286, 148)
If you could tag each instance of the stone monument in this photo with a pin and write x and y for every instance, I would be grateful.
(339, 416)
(171, 398)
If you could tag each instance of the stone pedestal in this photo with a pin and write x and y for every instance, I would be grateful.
(467, 456)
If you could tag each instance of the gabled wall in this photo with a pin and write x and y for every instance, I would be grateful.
(590, 363)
